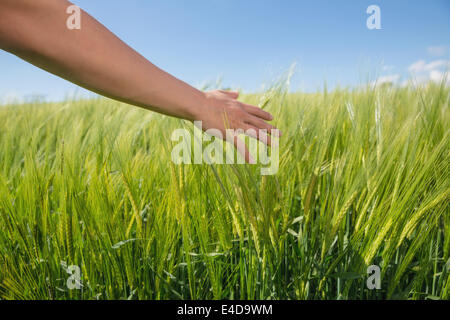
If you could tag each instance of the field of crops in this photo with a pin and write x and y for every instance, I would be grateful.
(363, 180)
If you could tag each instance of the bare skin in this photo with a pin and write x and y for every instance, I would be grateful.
(94, 58)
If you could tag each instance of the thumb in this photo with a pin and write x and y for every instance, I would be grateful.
(231, 94)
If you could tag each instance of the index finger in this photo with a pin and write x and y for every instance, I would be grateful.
(260, 113)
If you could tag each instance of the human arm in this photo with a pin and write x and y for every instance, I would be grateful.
(94, 58)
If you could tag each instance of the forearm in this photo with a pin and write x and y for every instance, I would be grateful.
(92, 57)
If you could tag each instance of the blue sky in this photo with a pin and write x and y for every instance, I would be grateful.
(249, 43)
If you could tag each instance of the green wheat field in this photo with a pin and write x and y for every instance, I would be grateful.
(363, 180)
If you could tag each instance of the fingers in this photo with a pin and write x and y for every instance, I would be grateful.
(258, 134)
(243, 150)
(260, 124)
(260, 113)
(231, 94)
(253, 110)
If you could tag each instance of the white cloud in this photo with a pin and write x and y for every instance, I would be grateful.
(422, 66)
(417, 66)
(392, 78)
(438, 51)
(438, 77)
(436, 71)
(438, 64)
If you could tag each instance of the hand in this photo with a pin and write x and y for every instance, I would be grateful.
(223, 111)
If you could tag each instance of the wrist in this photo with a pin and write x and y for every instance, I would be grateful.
(197, 109)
